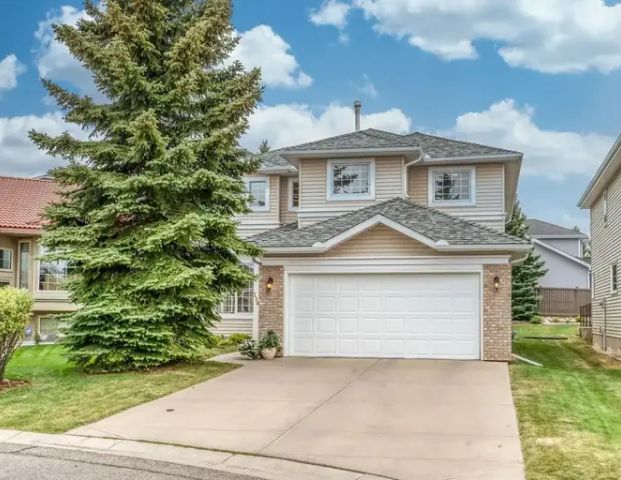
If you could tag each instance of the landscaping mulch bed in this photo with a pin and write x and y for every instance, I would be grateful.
(9, 384)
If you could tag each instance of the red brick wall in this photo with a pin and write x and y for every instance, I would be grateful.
(271, 302)
(497, 313)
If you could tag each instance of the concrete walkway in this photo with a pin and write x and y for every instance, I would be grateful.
(404, 419)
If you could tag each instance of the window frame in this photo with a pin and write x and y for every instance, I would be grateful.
(266, 179)
(235, 296)
(331, 196)
(291, 181)
(614, 278)
(19, 263)
(452, 203)
(11, 259)
(61, 293)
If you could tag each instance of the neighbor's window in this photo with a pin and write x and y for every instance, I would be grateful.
(239, 302)
(259, 193)
(351, 179)
(24, 265)
(614, 278)
(294, 194)
(6, 259)
(452, 186)
(52, 274)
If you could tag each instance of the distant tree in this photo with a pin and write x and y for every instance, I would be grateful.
(264, 147)
(147, 215)
(525, 275)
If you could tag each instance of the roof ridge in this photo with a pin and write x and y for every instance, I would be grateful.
(26, 179)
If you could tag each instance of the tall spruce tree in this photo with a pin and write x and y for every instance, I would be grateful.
(525, 275)
(146, 219)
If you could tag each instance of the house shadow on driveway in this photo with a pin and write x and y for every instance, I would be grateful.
(405, 419)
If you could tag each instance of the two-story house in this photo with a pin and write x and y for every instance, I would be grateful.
(384, 245)
(561, 250)
(603, 198)
(22, 201)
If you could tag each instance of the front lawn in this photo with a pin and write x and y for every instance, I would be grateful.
(60, 398)
(569, 410)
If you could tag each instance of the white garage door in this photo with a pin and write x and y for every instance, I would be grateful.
(385, 315)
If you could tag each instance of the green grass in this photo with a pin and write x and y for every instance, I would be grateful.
(569, 410)
(60, 397)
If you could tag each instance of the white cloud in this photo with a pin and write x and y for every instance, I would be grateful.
(331, 12)
(10, 69)
(550, 36)
(18, 155)
(54, 61)
(550, 153)
(290, 124)
(367, 87)
(262, 47)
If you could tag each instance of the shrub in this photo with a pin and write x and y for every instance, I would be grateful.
(249, 348)
(536, 319)
(236, 339)
(15, 305)
(269, 340)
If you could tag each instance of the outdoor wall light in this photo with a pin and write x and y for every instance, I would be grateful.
(269, 284)
(496, 283)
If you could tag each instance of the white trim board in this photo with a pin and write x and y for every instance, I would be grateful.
(561, 253)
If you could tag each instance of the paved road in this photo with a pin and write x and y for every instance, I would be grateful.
(39, 463)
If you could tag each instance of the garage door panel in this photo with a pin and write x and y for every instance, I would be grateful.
(385, 315)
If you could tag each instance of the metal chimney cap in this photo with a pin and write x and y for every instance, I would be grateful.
(357, 103)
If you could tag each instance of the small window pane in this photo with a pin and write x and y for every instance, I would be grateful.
(52, 274)
(24, 265)
(295, 194)
(241, 302)
(452, 186)
(351, 179)
(228, 305)
(6, 258)
(258, 191)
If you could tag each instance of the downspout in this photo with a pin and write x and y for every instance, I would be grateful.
(405, 176)
(604, 326)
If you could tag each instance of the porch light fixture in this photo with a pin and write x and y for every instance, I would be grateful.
(269, 284)
(496, 283)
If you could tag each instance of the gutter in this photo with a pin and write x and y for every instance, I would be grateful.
(441, 246)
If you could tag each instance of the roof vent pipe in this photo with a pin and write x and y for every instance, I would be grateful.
(357, 108)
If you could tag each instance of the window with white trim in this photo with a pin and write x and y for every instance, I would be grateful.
(52, 273)
(24, 265)
(6, 259)
(351, 180)
(614, 278)
(452, 186)
(294, 194)
(239, 302)
(258, 188)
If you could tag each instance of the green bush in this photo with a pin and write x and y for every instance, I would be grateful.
(15, 305)
(269, 340)
(536, 319)
(249, 348)
(236, 339)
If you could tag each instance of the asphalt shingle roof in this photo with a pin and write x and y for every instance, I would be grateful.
(440, 147)
(539, 227)
(427, 221)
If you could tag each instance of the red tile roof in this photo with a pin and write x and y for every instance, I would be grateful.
(22, 201)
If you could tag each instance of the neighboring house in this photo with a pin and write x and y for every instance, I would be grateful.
(603, 198)
(384, 245)
(561, 250)
(21, 202)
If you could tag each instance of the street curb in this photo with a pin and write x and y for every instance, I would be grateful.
(268, 468)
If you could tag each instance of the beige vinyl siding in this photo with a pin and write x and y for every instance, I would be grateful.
(380, 241)
(286, 216)
(314, 187)
(489, 194)
(606, 250)
(257, 222)
(228, 326)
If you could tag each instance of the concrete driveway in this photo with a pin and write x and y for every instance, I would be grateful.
(404, 419)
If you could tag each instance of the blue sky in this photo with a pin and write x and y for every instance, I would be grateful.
(538, 76)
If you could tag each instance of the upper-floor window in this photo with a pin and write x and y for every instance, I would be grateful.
(614, 278)
(259, 190)
(52, 273)
(6, 259)
(452, 186)
(605, 206)
(351, 179)
(294, 194)
(24, 265)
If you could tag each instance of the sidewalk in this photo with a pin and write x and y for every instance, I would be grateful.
(231, 462)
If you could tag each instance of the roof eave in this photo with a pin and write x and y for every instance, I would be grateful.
(509, 157)
(294, 156)
(602, 176)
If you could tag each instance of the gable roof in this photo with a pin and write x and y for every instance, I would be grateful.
(580, 261)
(540, 228)
(605, 173)
(22, 201)
(432, 227)
(431, 146)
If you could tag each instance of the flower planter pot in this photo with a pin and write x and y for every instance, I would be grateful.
(268, 353)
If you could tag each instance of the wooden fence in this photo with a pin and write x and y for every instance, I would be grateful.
(585, 316)
(563, 301)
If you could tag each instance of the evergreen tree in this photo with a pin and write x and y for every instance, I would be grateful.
(264, 146)
(146, 218)
(525, 275)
